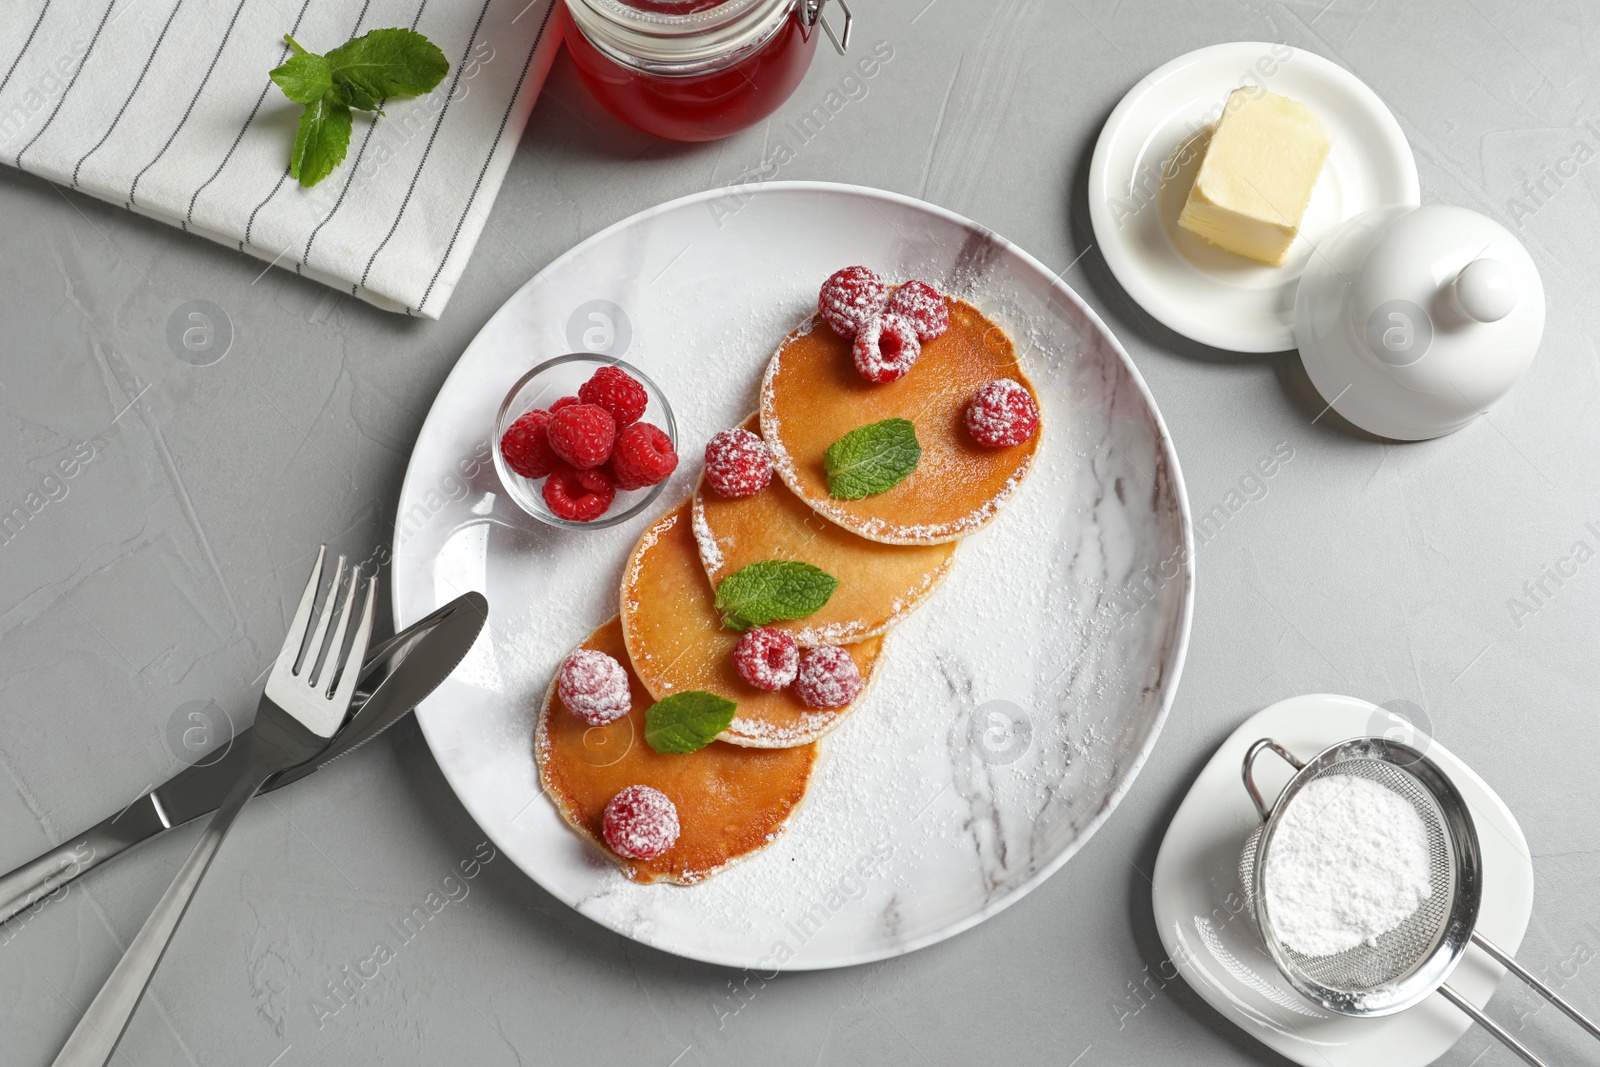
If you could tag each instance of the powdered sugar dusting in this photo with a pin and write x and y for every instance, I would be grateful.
(757, 733)
(710, 550)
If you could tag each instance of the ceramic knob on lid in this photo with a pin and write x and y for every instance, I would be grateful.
(1413, 320)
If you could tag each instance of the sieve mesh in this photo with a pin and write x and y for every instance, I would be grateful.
(1398, 953)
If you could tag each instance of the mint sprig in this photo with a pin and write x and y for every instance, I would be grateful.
(871, 460)
(359, 74)
(687, 722)
(773, 589)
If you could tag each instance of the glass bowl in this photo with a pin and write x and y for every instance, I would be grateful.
(541, 387)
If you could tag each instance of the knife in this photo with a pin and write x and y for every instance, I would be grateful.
(395, 677)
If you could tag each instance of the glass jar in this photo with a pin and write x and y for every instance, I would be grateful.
(694, 70)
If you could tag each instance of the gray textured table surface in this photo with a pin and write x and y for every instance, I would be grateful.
(159, 577)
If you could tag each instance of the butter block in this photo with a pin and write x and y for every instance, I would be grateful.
(1257, 175)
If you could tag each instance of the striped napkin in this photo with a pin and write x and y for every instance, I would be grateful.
(164, 107)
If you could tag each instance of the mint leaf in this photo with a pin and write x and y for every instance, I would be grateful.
(305, 79)
(773, 589)
(872, 460)
(358, 74)
(320, 144)
(395, 62)
(687, 722)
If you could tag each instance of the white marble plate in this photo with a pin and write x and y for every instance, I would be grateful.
(1009, 714)
(1146, 158)
(1211, 939)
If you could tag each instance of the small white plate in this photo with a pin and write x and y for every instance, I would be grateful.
(1144, 164)
(1211, 939)
(1004, 722)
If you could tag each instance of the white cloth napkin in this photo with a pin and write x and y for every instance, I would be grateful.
(165, 107)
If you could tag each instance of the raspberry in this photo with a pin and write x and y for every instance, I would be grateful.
(849, 298)
(886, 348)
(526, 446)
(640, 823)
(594, 687)
(738, 463)
(767, 657)
(582, 434)
(643, 455)
(924, 306)
(1002, 414)
(828, 677)
(618, 392)
(562, 402)
(578, 496)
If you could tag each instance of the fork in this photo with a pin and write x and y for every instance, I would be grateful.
(299, 712)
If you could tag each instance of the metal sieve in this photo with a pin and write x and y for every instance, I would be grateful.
(1411, 962)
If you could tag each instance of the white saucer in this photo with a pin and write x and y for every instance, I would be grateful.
(1211, 939)
(1135, 194)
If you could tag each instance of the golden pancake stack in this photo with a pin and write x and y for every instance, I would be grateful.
(888, 552)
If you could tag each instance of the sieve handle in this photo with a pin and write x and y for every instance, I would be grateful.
(1490, 1025)
(1248, 771)
(1504, 959)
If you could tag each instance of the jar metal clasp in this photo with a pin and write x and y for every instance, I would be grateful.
(811, 15)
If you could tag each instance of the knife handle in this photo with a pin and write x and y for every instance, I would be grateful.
(52, 872)
(39, 879)
(196, 790)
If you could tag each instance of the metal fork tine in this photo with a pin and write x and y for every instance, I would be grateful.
(323, 684)
(289, 655)
(314, 649)
(358, 649)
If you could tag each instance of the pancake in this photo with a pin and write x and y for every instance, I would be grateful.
(731, 801)
(677, 642)
(879, 584)
(812, 396)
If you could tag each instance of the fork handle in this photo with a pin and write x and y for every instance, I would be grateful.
(97, 1033)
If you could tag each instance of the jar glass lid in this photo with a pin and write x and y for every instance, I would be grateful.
(676, 16)
(673, 32)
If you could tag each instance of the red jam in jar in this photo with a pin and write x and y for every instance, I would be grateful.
(691, 70)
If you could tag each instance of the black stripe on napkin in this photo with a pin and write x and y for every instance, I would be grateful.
(493, 147)
(151, 58)
(25, 45)
(84, 62)
(133, 190)
(472, 40)
(251, 221)
(188, 216)
(350, 175)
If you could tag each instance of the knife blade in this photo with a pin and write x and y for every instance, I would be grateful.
(396, 677)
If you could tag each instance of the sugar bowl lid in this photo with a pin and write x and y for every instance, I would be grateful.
(1411, 321)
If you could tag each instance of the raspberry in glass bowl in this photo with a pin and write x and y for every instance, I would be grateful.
(584, 441)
